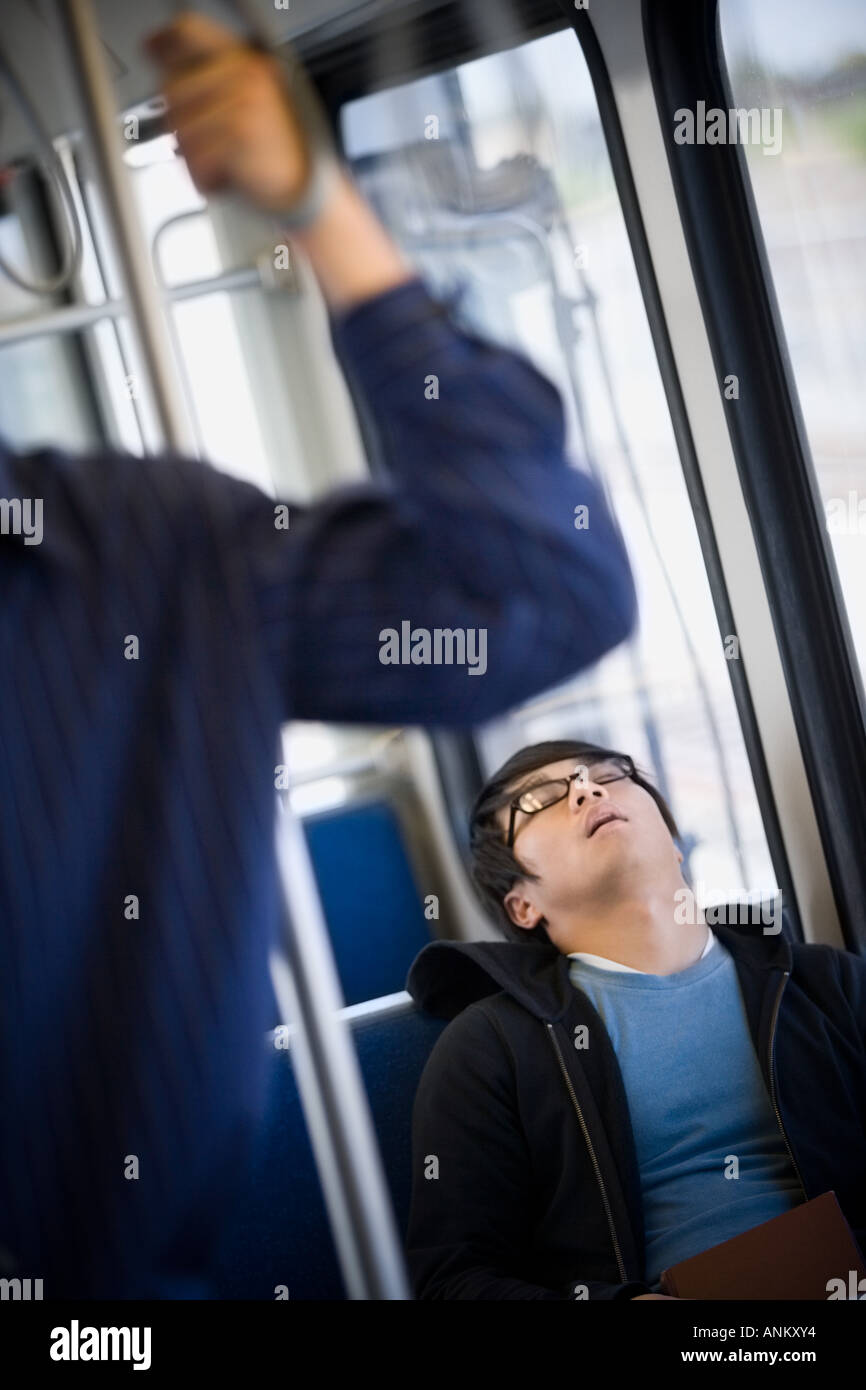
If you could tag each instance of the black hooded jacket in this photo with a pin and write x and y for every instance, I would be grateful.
(525, 1174)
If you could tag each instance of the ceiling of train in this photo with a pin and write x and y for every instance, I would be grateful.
(31, 40)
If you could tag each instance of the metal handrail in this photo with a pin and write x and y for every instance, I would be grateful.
(72, 318)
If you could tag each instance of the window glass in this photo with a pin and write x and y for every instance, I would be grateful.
(43, 396)
(808, 62)
(495, 179)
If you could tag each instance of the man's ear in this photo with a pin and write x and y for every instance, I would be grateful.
(521, 909)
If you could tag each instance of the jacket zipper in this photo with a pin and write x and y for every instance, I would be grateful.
(622, 1274)
(782, 983)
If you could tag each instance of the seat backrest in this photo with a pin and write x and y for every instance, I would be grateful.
(280, 1234)
(376, 935)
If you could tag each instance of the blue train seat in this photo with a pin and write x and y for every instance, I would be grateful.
(356, 851)
(280, 1234)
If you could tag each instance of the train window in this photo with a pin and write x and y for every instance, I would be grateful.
(494, 177)
(43, 395)
(809, 63)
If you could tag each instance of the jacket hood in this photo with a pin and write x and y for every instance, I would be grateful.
(447, 976)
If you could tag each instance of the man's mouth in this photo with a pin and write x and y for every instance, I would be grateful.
(601, 815)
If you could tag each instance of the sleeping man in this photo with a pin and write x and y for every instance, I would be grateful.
(621, 1086)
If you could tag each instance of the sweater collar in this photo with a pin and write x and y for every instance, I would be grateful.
(603, 963)
(447, 976)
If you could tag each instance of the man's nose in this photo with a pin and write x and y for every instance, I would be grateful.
(581, 792)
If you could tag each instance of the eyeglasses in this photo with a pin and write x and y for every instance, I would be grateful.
(547, 793)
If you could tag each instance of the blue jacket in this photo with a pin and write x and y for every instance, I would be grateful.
(151, 646)
(543, 1189)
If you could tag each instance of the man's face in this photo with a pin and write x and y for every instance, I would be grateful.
(605, 840)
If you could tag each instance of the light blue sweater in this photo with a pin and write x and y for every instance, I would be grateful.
(697, 1102)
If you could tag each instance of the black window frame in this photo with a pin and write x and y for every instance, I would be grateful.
(768, 436)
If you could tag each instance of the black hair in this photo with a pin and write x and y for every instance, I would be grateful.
(494, 867)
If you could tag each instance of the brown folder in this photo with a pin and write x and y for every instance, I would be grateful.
(793, 1256)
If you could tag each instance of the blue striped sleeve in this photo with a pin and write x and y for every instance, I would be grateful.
(474, 534)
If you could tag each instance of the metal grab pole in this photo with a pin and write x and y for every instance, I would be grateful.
(96, 96)
(332, 1092)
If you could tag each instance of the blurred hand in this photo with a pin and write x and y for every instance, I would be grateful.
(668, 1298)
(228, 103)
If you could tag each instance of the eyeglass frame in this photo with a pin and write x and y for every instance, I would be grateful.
(514, 806)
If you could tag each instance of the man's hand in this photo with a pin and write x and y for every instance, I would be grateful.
(237, 130)
(235, 124)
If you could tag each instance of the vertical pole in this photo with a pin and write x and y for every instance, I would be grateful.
(332, 1090)
(96, 97)
(329, 1079)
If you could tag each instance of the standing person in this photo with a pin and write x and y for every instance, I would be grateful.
(156, 630)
